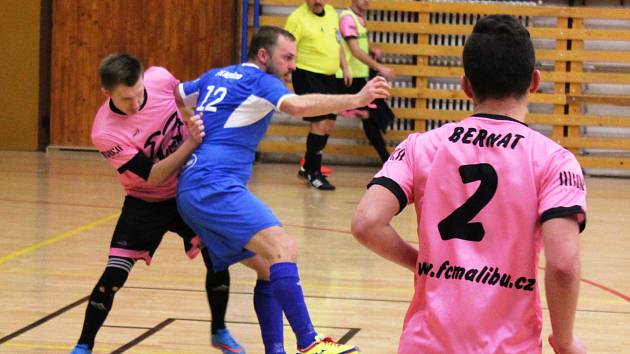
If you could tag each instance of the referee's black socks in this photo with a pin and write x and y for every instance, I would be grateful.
(313, 157)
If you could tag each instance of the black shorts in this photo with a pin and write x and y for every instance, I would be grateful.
(142, 225)
(309, 82)
(357, 85)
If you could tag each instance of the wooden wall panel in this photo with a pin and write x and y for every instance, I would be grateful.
(584, 104)
(19, 74)
(186, 36)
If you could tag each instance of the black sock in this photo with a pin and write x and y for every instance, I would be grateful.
(102, 299)
(313, 157)
(218, 292)
(373, 133)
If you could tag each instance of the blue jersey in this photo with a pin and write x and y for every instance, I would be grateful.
(236, 103)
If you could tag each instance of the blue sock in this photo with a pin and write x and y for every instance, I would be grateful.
(269, 314)
(286, 286)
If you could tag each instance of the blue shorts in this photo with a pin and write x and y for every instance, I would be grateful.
(226, 215)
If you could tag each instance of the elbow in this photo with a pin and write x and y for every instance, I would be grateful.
(294, 109)
(564, 272)
(356, 52)
(155, 177)
(361, 227)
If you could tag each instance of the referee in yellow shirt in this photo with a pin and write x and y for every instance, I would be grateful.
(315, 26)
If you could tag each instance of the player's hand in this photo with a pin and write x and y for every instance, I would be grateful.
(347, 78)
(195, 128)
(374, 89)
(575, 347)
(186, 112)
(387, 73)
(376, 53)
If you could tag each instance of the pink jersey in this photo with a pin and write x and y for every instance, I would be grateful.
(347, 26)
(481, 189)
(156, 131)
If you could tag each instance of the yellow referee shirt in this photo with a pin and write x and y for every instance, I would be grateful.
(317, 39)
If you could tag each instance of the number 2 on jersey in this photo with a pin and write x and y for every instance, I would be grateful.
(219, 95)
(457, 224)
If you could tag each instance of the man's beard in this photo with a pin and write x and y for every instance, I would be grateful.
(285, 77)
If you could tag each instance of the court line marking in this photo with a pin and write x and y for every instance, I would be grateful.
(43, 320)
(602, 287)
(587, 281)
(57, 238)
(143, 336)
(351, 331)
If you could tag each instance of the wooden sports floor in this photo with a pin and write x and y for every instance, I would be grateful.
(58, 211)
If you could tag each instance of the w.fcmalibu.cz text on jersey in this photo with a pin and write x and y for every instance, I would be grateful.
(481, 188)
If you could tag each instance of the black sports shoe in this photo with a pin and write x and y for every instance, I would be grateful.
(319, 181)
(302, 173)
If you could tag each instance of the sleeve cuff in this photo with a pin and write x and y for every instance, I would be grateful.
(189, 100)
(140, 165)
(393, 187)
(561, 212)
(277, 107)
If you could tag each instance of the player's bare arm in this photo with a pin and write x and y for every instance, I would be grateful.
(364, 57)
(562, 281)
(186, 111)
(319, 104)
(347, 74)
(371, 227)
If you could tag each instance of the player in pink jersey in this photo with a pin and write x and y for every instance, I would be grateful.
(139, 130)
(489, 193)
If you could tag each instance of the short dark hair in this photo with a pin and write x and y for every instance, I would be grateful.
(119, 68)
(499, 58)
(266, 37)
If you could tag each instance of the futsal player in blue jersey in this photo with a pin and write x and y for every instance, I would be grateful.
(236, 103)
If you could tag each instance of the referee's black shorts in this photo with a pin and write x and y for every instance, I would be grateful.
(309, 82)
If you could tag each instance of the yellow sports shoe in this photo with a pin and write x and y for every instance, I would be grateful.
(327, 345)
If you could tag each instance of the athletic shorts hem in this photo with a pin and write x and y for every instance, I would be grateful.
(133, 254)
(222, 263)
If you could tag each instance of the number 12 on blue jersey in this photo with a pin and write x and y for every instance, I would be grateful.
(218, 94)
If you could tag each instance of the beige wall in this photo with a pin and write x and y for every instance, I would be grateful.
(19, 74)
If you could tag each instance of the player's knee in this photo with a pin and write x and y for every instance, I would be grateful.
(284, 250)
(326, 126)
(260, 265)
(330, 124)
(360, 226)
(321, 127)
(263, 273)
(113, 278)
(102, 296)
(218, 281)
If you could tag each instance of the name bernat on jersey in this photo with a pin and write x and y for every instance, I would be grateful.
(484, 138)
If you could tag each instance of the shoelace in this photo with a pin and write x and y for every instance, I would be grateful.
(330, 342)
(327, 341)
(228, 340)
